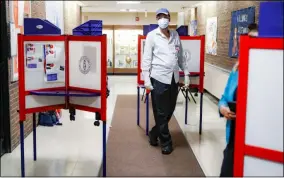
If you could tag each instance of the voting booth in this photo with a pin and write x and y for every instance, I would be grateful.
(193, 52)
(61, 72)
(259, 123)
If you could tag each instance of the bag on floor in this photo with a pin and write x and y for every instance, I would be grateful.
(45, 119)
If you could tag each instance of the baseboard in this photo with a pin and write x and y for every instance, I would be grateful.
(100, 173)
(212, 98)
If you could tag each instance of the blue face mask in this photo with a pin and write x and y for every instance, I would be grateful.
(163, 23)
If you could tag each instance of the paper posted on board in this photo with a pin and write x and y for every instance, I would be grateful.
(54, 63)
(34, 56)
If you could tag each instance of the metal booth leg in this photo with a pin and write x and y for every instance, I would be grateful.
(200, 120)
(104, 148)
(34, 136)
(147, 114)
(192, 97)
(138, 105)
(186, 106)
(22, 137)
(143, 94)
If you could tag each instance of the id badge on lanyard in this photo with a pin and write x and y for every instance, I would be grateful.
(177, 49)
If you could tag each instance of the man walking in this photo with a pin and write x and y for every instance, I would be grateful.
(162, 58)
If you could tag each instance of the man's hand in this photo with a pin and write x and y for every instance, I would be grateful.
(148, 84)
(227, 113)
(186, 81)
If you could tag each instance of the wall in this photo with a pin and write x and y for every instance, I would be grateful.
(222, 10)
(72, 16)
(125, 18)
(37, 10)
(217, 67)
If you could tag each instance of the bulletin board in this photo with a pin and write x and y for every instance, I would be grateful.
(259, 123)
(62, 72)
(18, 11)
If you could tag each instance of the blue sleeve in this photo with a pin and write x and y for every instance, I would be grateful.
(224, 99)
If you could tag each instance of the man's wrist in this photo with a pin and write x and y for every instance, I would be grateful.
(186, 73)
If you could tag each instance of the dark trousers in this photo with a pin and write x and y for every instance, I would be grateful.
(164, 99)
(228, 160)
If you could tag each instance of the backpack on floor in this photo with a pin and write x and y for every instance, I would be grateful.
(47, 119)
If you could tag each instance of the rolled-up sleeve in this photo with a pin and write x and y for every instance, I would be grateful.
(181, 60)
(147, 57)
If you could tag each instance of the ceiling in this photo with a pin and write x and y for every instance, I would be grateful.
(134, 6)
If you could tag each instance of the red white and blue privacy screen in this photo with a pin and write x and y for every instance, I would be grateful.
(61, 72)
(259, 121)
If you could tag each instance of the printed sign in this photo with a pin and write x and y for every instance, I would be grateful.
(211, 36)
(34, 56)
(54, 65)
(240, 21)
(84, 65)
(193, 28)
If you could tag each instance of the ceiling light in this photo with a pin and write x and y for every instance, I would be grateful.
(123, 10)
(128, 2)
(132, 10)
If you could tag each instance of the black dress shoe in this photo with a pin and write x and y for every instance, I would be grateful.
(153, 141)
(166, 150)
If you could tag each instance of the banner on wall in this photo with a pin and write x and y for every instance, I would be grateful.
(211, 36)
(193, 28)
(54, 13)
(18, 11)
(240, 21)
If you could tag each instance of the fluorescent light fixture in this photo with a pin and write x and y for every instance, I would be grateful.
(128, 10)
(128, 2)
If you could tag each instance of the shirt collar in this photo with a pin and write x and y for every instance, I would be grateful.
(158, 32)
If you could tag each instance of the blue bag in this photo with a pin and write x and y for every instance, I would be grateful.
(46, 119)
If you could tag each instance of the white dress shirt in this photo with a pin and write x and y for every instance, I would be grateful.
(163, 57)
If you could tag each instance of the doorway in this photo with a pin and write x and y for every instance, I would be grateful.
(4, 84)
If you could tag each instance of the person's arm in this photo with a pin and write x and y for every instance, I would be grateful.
(147, 59)
(223, 103)
(181, 60)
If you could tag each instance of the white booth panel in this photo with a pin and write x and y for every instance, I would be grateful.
(260, 167)
(33, 101)
(191, 52)
(264, 117)
(35, 61)
(93, 102)
(143, 41)
(85, 64)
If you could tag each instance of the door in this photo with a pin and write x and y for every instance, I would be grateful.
(4, 85)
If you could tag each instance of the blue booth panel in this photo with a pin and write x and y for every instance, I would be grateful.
(89, 28)
(153, 27)
(145, 30)
(36, 26)
(271, 19)
(148, 28)
(183, 30)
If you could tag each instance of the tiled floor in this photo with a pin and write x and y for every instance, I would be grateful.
(75, 148)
